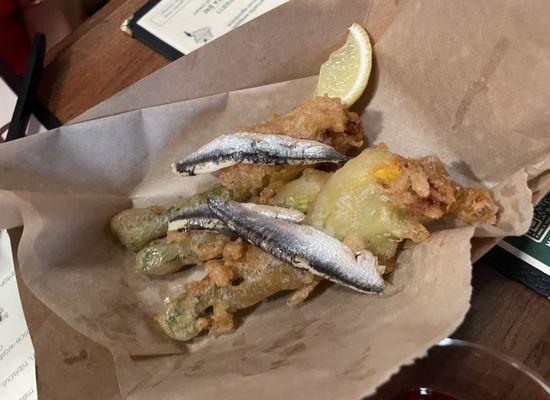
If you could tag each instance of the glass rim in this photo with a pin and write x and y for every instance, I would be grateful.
(448, 342)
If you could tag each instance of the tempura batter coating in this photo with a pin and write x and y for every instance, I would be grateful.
(208, 305)
(170, 254)
(258, 183)
(424, 188)
(474, 206)
(380, 198)
(322, 119)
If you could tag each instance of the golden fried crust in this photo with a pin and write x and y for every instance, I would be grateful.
(219, 273)
(474, 206)
(211, 302)
(423, 188)
(322, 119)
(246, 181)
(235, 250)
(205, 244)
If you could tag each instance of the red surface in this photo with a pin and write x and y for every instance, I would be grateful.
(14, 42)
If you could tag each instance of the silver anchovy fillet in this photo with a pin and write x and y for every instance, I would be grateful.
(286, 214)
(197, 218)
(302, 246)
(256, 148)
(201, 217)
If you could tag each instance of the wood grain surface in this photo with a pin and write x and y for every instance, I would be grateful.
(94, 63)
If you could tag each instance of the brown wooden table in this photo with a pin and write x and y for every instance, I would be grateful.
(95, 62)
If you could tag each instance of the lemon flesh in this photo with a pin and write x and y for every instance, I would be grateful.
(346, 72)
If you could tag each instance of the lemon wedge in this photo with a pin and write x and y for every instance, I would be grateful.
(346, 72)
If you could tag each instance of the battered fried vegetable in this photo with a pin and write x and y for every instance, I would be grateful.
(421, 186)
(136, 227)
(474, 206)
(164, 256)
(353, 207)
(257, 183)
(302, 246)
(322, 119)
(205, 305)
(374, 202)
(425, 190)
(299, 193)
(379, 198)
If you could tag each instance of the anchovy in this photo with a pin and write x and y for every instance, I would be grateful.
(256, 148)
(286, 214)
(302, 246)
(197, 218)
(201, 217)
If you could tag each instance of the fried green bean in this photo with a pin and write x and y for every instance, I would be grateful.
(167, 255)
(136, 227)
(205, 305)
(162, 257)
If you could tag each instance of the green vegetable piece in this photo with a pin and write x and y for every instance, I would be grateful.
(137, 227)
(299, 193)
(162, 257)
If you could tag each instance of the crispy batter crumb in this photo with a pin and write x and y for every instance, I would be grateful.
(299, 295)
(201, 324)
(205, 244)
(219, 273)
(474, 206)
(424, 189)
(157, 209)
(222, 320)
(235, 250)
(322, 119)
(247, 180)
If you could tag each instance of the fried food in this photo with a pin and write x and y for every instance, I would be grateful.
(163, 256)
(302, 246)
(137, 227)
(258, 183)
(322, 119)
(379, 199)
(358, 216)
(424, 188)
(353, 206)
(299, 193)
(208, 305)
(473, 206)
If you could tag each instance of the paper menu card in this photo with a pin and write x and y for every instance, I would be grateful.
(186, 25)
(17, 368)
